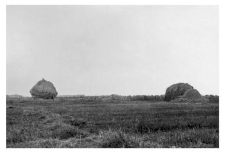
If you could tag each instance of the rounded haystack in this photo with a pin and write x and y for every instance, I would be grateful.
(192, 94)
(176, 90)
(44, 89)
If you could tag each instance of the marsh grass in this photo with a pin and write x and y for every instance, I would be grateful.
(118, 139)
(111, 124)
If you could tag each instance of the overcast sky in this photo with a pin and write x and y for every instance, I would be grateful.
(99, 50)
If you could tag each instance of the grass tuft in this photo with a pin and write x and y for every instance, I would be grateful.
(117, 139)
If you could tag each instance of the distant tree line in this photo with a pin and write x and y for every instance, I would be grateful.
(113, 97)
(152, 98)
(212, 98)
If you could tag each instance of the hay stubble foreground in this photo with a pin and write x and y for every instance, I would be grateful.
(76, 123)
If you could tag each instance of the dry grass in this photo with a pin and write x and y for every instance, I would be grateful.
(90, 124)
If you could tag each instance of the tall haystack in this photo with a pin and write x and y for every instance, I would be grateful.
(176, 90)
(44, 89)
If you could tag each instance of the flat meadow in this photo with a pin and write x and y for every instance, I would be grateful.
(111, 123)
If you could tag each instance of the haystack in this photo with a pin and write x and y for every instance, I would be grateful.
(44, 89)
(192, 94)
(176, 90)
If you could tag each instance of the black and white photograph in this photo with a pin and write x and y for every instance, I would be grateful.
(112, 76)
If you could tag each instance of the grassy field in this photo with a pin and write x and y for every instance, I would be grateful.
(111, 124)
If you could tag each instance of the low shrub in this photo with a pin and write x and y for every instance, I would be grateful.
(212, 98)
